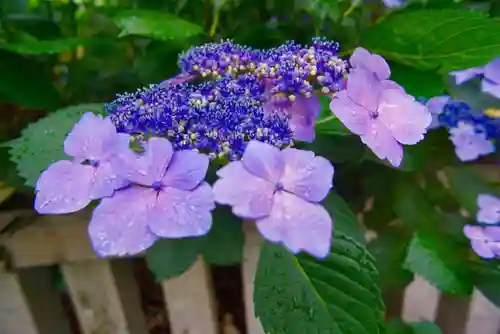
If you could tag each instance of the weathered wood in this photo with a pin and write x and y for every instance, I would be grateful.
(420, 301)
(105, 297)
(251, 252)
(29, 304)
(190, 301)
(452, 314)
(484, 317)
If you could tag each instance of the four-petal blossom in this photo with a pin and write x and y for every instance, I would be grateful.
(281, 190)
(168, 199)
(490, 75)
(68, 186)
(485, 241)
(489, 209)
(470, 143)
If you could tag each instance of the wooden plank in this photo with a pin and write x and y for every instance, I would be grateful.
(105, 297)
(484, 317)
(30, 305)
(452, 314)
(420, 302)
(190, 302)
(251, 253)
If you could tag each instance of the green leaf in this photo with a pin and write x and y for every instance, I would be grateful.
(223, 245)
(337, 149)
(425, 327)
(156, 25)
(41, 143)
(300, 294)
(38, 92)
(42, 47)
(466, 184)
(447, 40)
(344, 219)
(411, 79)
(437, 260)
(171, 257)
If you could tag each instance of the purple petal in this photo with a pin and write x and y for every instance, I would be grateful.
(371, 62)
(435, 106)
(147, 168)
(263, 160)
(405, 118)
(180, 213)
(91, 138)
(177, 80)
(393, 3)
(492, 71)
(364, 89)
(105, 181)
(119, 224)
(489, 209)
(305, 175)
(466, 75)
(304, 111)
(492, 233)
(353, 116)
(298, 224)
(250, 197)
(381, 142)
(186, 170)
(473, 232)
(482, 248)
(64, 187)
(490, 87)
(469, 144)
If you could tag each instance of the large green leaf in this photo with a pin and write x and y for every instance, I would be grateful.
(300, 294)
(411, 79)
(156, 25)
(41, 143)
(447, 39)
(344, 219)
(396, 326)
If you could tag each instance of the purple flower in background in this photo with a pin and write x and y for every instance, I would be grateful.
(485, 241)
(393, 3)
(489, 209)
(362, 58)
(490, 75)
(382, 114)
(281, 190)
(470, 142)
(435, 106)
(168, 199)
(69, 186)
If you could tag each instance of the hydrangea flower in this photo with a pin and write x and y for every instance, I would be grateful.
(69, 186)
(485, 241)
(280, 190)
(436, 105)
(489, 209)
(362, 58)
(470, 142)
(168, 198)
(490, 74)
(381, 113)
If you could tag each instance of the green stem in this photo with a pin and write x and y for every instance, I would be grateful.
(349, 10)
(215, 23)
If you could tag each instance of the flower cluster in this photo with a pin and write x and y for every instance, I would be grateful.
(485, 240)
(471, 131)
(378, 109)
(489, 75)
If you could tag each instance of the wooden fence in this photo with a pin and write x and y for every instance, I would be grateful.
(106, 297)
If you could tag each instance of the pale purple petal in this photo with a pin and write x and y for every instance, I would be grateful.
(492, 233)
(355, 117)
(490, 87)
(303, 113)
(389, 84)
(364, 88)
(90, 138)
(482, 248)
(489, 209)
(305, 175)
(381, 142)
(263, 160)
(250, 197)
(435, 106)
(473, 232)
(64, 187)
(469, 144)
(177, 80)
(186, 170)
(119, 224)
(465, 75)
(405, 118)
(105, 181)
(298, 225)
(492, 71)
(371, 62)
(146, 168)
(393, 3)
(180, 213)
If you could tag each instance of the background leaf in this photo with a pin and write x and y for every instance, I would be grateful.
(299, 294)
(344, 220)
(416, 82)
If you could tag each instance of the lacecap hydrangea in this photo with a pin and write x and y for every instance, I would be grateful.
(239, 108)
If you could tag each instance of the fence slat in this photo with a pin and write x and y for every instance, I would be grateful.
(420, 301)
(484, 317)
(452, 314)
(190, 301)
(29, 304)
(105, 297)
(251, 252)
